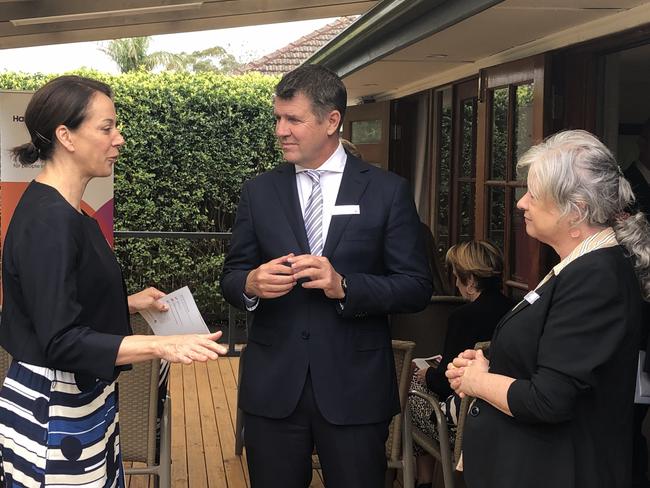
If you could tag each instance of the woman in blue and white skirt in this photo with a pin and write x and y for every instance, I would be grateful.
(65, 312)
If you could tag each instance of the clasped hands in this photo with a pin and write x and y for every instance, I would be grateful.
(466, 371)
(278, 276)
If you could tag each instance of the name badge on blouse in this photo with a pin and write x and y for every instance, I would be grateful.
(531, 297)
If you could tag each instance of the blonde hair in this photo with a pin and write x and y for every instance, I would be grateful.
(351, 148)
(479, 260)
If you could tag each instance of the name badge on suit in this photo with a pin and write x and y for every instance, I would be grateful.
(346, 210)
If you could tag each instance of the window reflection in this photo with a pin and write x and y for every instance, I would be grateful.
(444, 100)
(466, 205)
(520, 244)
(366, 131)
(523, 127)
(499, 134)
(496, 218)
(468, 141)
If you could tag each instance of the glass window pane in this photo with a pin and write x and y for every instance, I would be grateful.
(466, 211)
(523, 137)
(444, 170)
(468, 142)
(521, 246)
(496, 215)
(499, 134)
(366, 131)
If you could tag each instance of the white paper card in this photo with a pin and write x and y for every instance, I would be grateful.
(183, 316)
(424, 363)
(346, 210)
(642, 392)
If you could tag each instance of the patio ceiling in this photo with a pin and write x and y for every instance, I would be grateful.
(40, 22)
(401, 47)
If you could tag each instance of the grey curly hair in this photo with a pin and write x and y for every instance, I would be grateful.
(579, 174)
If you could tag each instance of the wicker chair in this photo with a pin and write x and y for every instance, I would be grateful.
(138, 416)
(398, 452)
(5, 361)
(441, 450)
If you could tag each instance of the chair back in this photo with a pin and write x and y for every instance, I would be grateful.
(441, 449)
(403, 353)
(5, 361)
(428, 328)
(138, 405)
(139, 394)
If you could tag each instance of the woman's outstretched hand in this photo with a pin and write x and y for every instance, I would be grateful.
(188, 348)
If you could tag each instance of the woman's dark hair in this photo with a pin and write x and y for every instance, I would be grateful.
(480, 260)
(62, 101)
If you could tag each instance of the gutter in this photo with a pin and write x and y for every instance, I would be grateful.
(390, 26)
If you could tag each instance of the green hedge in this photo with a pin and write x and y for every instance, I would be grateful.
(192, 139)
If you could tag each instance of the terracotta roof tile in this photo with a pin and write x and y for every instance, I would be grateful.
(294, 54)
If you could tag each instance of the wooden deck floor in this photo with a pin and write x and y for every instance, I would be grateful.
(204, 406)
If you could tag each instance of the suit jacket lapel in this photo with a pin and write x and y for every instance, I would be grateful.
(353, 183)
(285, 184)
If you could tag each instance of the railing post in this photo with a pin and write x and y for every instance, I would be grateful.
(231, 328)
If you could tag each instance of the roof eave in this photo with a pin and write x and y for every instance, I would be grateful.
(390, 26)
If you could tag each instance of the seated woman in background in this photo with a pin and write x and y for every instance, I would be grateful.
(477, 267)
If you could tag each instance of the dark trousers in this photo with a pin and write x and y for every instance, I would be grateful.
(279, 450)
(640, 450)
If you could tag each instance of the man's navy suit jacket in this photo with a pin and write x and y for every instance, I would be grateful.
(347, 351)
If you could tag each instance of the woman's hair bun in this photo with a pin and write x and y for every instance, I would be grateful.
(26, 154)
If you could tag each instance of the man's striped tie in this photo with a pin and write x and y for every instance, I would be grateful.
(314, 214)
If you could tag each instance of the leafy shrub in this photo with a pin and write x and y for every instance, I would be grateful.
(192, 139)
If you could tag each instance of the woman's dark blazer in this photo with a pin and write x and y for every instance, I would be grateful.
(573, 353)
(468, 324)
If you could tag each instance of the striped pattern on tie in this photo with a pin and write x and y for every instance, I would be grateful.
(314, 214)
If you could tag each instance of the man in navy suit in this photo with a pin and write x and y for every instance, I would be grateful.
(324, 247)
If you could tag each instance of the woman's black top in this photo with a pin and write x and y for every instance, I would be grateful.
(468, 324)
(64, 301)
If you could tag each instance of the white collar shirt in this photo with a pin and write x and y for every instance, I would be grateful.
(330, 182)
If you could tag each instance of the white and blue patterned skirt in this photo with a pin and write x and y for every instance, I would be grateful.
(54, 434)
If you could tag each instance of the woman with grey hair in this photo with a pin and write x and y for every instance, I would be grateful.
(554, 403)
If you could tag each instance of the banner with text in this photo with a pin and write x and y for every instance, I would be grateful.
(14, 177)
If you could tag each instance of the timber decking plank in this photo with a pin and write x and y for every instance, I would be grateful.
(197, 475)
(179, 450)
(221, 379)
(234, 365)
(137, 481)
(214, 458)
